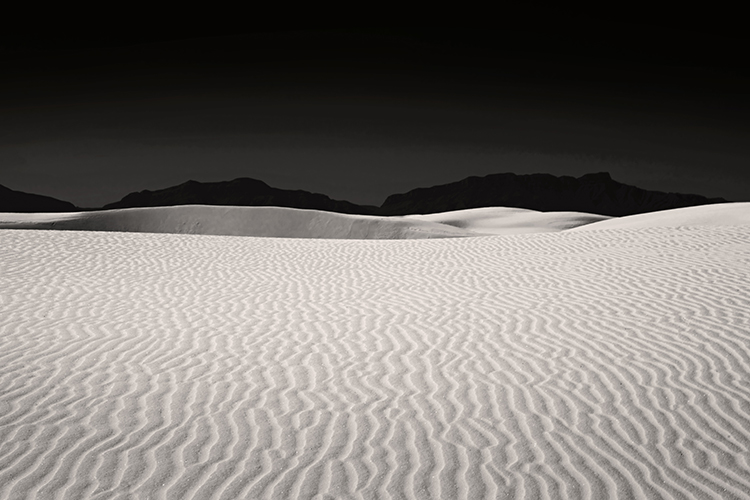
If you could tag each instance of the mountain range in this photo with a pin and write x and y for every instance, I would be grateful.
(17, 201)
(595, 193)
(238, 192)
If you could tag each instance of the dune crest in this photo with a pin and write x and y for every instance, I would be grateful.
(503, 220)
(281, 222)
(276, 222)
(720, 214)
(576, 364)
(298, 223)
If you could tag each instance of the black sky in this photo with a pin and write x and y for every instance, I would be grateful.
(364, 111)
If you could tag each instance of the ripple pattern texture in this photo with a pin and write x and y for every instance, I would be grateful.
(577, 365)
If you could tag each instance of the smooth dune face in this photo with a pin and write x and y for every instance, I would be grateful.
(604, 364)
(720, 214)
(236, 221)
(295, 223)
(504, 220)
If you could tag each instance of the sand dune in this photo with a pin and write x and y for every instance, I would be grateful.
(575, 364)
(720, 214)
(236, 221)
(502, 220)
(296, 223)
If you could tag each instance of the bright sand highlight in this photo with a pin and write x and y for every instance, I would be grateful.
(574, 364)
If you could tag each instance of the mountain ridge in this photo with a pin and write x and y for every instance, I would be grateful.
(595, 193)
(242, 191)
(19, 201)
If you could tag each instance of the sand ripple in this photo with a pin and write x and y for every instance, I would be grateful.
(599, 364)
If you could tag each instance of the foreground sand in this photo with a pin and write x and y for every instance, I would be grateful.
(591, 364)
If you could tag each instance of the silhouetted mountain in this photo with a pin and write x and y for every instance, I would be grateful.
(239, 192)
(17, 201)
(591, 193)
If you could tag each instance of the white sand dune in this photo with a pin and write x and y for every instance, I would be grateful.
(503, 220)
(235, 221)
(296, 223)
(576, 364)
(720, 214)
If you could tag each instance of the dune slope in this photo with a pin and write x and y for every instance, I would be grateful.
(504, 220)
(720, 214)
(277, 222)
(603, 364)
(298, 223)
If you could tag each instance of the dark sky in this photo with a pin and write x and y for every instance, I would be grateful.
(362, 112)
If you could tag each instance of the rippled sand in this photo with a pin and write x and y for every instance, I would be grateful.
(576, 364)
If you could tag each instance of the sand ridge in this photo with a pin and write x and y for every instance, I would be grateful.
(596, 364)
(282, 222)
(504, 220)
(276, 222)
(719, 214)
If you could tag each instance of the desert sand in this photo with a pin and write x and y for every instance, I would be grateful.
(597, 362)
(296, 223)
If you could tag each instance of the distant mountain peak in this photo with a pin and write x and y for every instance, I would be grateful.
(243, 191)
(596, 177)
(595, 193)
(18, 201)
